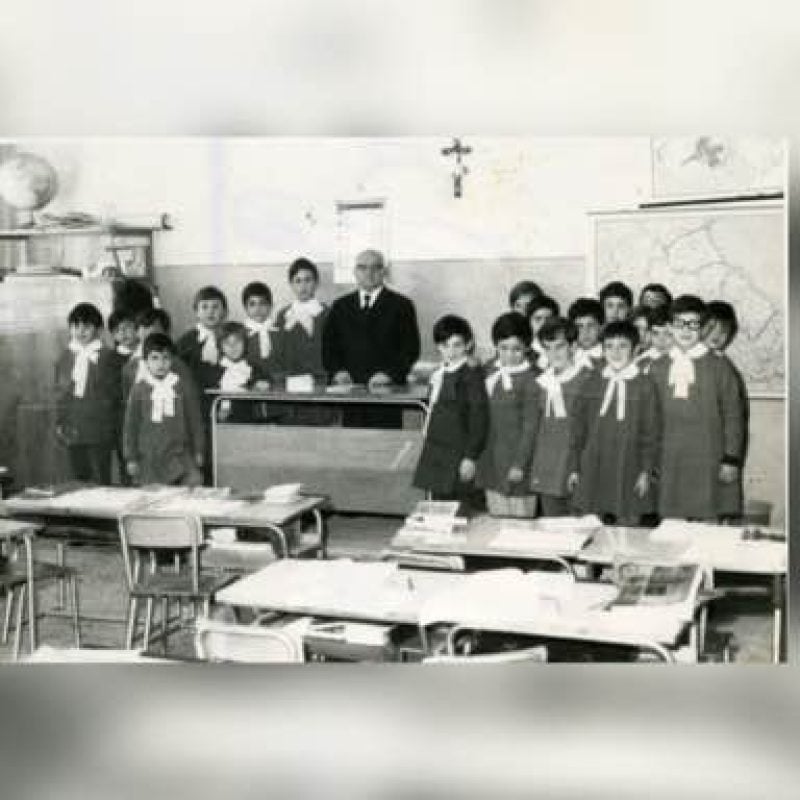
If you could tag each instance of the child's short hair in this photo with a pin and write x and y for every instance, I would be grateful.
(721, 311)
(233, 329)
(658, 288)
(544, 301)
(688, 304)
(300, 264)
(586, 307)
(116, 318)
(621, 329)
(512, 324)
(154, 316)
(660, 316)
(210, 293)
(157, 343)
(87, 313)
(256, 289)
(616, 289)
(557, 327)
(451, 325)
(521, 288)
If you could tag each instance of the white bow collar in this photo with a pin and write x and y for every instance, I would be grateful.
(236, 374)
(681, 370)
(208, 338)
(163, 394)
(84, 355)
(437, 376)
(303, 314)
(616, 383)
(263, 330)
(587, 358)
(548, 380)
(503, 375)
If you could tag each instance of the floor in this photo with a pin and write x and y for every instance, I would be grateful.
(103, 596)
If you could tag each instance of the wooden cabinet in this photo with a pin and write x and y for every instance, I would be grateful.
(34, 305)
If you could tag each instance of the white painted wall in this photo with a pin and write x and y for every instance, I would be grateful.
(266, 200)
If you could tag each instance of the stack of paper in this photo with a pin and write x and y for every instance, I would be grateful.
(565, 542)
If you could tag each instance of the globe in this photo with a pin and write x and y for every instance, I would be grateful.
(27, 183)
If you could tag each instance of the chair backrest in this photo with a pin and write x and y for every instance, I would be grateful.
(156, 532)
(531, 654)
(246, 644)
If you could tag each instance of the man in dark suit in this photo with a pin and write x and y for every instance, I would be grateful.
(371, 335)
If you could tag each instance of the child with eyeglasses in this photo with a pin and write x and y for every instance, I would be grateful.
(701, 454)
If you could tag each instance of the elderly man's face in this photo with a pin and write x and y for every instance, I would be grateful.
(369, 272)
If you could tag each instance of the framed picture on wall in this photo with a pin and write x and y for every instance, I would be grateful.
(360, 225)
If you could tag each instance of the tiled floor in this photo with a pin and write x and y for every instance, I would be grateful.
(103, 595)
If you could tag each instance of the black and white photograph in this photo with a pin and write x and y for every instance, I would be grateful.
(431, 399)
(397, 399)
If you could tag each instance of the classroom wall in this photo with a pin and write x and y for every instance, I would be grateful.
(244, 208)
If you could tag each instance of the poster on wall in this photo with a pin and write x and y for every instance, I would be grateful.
(714, 167)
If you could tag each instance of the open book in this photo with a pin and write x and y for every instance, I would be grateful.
(658, 585)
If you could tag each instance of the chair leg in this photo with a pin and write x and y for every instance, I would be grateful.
(148, 619)
(10, 594)
(164, 622)
(130, 626)
(20, 611)
(76, 617)
(61, 561)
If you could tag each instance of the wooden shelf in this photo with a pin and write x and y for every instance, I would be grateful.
(22, 234)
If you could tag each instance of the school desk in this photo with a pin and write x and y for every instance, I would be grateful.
(719, 547)
(507, 601)
(215, 507)
(335, 441)
(501, 539)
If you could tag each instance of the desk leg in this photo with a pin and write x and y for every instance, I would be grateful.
(778, 640)
(322, 533)
(32, 632)
(281, 535)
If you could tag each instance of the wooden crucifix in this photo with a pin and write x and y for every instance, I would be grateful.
(460, 169)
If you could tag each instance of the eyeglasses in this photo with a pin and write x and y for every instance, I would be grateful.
(690, 324)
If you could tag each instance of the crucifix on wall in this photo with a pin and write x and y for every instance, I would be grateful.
(460, 169)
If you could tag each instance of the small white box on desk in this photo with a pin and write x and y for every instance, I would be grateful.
(299, 384)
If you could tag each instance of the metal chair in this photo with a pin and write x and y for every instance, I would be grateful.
(150, 544)
(246, 644)
(15, 583)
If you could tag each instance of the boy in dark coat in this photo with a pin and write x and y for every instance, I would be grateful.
(458, 418)
(301, 323)
(561, 384)
(615, 437)
(504, 466)
(87, 380)
(263, 337)
(702, 449)
(163, 436)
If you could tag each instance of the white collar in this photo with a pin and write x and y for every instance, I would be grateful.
(373, 294)
(616, 384)
(503, 374)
